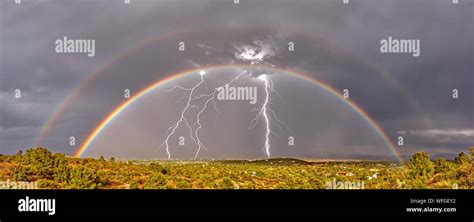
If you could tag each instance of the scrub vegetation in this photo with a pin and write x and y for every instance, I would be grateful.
(57, 171)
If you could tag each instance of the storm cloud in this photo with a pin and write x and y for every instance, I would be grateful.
(137, 44)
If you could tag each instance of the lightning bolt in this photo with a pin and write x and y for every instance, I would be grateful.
(212, 100)
(196, 126)
(175, 126)
(265, 115)
(264, 112)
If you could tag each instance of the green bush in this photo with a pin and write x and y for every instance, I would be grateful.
(61, 168)
(156, 181)
(156, 167)
(420, 166)
(442, 166)
(135, 184)
(38, 162)
(17, 157)
(465, 173)
(82, 177)
(183, 184)
(6, 158)
(48, 184)
(20, 174)
(42, 164)
(462, 158)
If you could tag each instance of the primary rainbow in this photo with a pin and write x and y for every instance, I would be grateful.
(75, 93)
(110, 117)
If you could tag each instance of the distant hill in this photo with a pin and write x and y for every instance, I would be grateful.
(279, 161)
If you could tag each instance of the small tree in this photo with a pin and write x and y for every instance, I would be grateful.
(443, 166)
(61, 168)
(82, 177)
(39, 162)
(462, 158)
(420, 165)
(18, 156)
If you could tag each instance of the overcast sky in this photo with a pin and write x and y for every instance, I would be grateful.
(335, 43)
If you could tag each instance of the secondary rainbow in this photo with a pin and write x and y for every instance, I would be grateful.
(75, 93)
(109, 118)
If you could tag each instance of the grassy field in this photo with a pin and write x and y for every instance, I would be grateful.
(56, 171)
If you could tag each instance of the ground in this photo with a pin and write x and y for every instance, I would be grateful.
(56, 171)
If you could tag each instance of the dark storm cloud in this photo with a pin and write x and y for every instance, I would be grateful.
(332, 41)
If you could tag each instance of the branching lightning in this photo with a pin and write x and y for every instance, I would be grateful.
(182, 118)
(255, 54)
(196, 126)
(265, 115)
(265, 112)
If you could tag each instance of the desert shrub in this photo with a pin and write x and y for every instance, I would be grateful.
(6, 158)
(156, 181)
(445, 170)
(38, 162)
(420, 166)
(462, 158)
(17, 158)
(183, 184)
(464, 176)
(443, 166)
(19, 174)
(61, 168)
(42, 164)
(82, 177)
(135, 184)
(227, 183)
(156, 167)
(48, 184)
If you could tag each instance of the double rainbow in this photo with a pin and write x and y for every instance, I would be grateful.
(127, 103)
